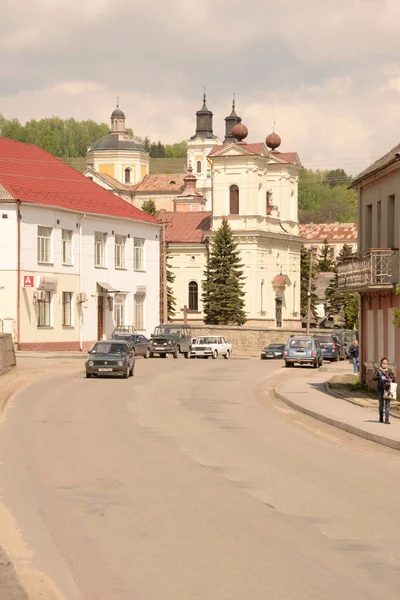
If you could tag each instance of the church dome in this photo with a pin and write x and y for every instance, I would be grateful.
(118, 141)
(117, 114)
(240, 132)
(273, 141)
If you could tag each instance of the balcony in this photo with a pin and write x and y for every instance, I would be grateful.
(368, 271)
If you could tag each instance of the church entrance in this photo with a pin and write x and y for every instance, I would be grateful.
(278, 312)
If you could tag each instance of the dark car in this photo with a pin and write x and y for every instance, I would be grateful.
(273, 351)
(110, 357)
(139, 343)
(303, 350)
(171, 339)
(331, 348)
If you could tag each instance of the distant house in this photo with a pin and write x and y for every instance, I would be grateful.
(76, 260)
(375, 272)
(337, 235)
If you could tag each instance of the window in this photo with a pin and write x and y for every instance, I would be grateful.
(234, 200)
(198, 166)
(44, 244)
(100, 240)
(127, 175)
(368, 227)
(119, 310)
(379, 224)
(269, 202)
(138, 254)
(43, 313)
(390, 222)
(120, 252)
(67, 309)
(139, 311)
(66, 247)
(193, 295)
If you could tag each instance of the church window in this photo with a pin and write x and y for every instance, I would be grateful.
(234, 200)
(193, 295)
(127, 175)
(199, 166)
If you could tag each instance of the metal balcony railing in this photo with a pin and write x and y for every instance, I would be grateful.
(372, 269)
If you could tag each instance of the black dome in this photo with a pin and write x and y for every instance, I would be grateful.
(117, 114)
(118, 141)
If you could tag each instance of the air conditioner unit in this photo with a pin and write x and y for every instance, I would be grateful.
(82, 297)
(40, 296)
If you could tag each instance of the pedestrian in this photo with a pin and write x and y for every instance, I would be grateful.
(384, 376)
(354, 352)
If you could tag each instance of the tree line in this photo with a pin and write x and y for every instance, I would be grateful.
(324, 197)
(68, 138)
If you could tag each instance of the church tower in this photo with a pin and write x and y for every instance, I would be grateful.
(199, 147)
(230, 122)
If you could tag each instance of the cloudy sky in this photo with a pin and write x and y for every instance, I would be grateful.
(327, 72)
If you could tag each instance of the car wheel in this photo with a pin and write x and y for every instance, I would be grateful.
(88, 375)
(132, 371)
(315, 365)
(176, 353)
(151, 354)
(287, 365)
(215, 354)
(188, 354)
(337, 358)
(127, 373)
(147, 354)
(227, 354)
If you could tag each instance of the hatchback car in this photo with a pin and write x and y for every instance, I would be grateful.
(110, 357)
(303, 351)
(331, 348)
(273, 351)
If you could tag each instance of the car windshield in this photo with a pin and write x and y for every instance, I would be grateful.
(208, 340)
(275, 347)
(167, 330)
(305, 344)
(108, 348)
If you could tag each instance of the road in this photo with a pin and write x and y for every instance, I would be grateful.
(190, 480)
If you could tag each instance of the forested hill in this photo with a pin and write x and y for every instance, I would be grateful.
(323, 195)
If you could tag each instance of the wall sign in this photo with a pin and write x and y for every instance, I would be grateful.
(29, 281)
(49, 284)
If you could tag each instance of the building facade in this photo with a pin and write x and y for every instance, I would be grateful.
(79, 261)
(374, 272)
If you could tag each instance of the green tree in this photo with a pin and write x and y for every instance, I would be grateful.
(342, 306)
(336, 177)
(326, 262)
(171, 300)
(223, 296)
(322, 202)
(149, 206)
(304, 283)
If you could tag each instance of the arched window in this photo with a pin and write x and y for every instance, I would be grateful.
(199, 166)
(193, 295)
(127, 175)
(234, 200)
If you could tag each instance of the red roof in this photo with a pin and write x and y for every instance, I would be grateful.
(186, 227)
(34, 176)
(158, 183)
(329, 231)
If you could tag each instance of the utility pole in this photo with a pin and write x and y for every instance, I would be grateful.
(309, 292)
(164, 284)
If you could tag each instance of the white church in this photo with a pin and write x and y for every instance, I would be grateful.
(252, 185)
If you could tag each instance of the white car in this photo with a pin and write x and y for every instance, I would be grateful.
(213, 346)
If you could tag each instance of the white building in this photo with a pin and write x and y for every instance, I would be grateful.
(76, 260)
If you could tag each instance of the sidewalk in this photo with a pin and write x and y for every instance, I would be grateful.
(307, 392)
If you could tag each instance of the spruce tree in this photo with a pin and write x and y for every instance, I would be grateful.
(171, 300)
(326, 262)
(304, 279)
(223, 296)
(342, 306)
(149, 206)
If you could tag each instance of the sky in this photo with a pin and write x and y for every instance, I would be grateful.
(327, 73)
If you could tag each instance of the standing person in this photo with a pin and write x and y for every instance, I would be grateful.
(384, 376)
(354, 352)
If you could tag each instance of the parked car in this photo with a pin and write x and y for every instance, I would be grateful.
(331, 348)
(213, 346)
(171, 339)
(110, 357)
(303, 351)
(139, 343)
(273, 351)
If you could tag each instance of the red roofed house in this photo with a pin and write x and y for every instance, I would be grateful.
(254, 187)
(76, 260)
(336, 235)
(375, 272)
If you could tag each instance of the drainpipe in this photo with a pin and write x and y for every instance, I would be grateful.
(80, 285)
(18, 274)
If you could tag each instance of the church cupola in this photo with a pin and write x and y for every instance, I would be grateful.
(204, 124)
(230, 122)
(118, 120)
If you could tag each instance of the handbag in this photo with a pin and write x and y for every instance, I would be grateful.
(390, 392)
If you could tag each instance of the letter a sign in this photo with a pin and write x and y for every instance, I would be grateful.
(28, 281)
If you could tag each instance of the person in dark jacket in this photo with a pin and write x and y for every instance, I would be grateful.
(354, 353)
(384, 375)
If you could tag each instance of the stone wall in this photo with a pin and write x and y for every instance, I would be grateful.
(7, 353)
(251, 340)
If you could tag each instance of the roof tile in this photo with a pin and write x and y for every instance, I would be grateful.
(172, 182)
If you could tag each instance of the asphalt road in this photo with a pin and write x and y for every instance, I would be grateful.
(190, 481)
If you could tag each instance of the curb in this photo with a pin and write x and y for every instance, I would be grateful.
(336, 394)
(366, 435)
